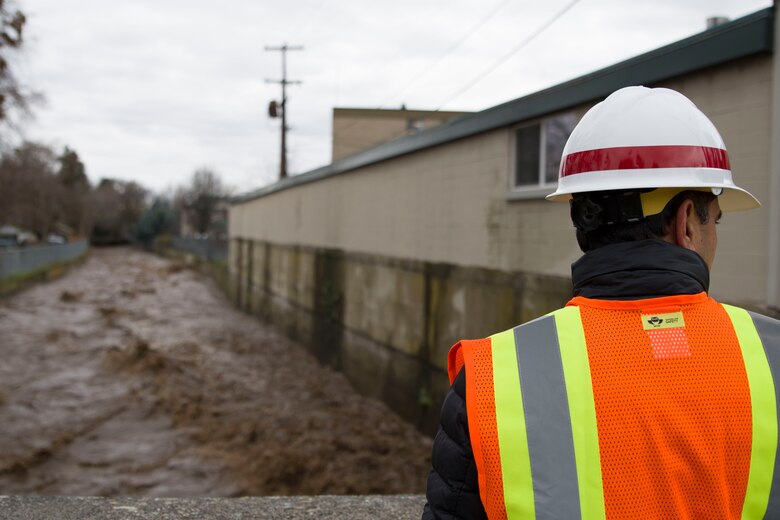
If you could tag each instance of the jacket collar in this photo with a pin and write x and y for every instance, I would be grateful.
(639, 270)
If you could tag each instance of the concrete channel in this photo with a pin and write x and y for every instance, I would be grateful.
(133, 378)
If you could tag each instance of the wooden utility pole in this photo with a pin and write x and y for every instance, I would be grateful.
(272, 109)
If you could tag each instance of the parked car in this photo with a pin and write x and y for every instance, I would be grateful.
(56, 239)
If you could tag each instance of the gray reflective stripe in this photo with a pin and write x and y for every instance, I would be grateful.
(547, 420)
(769, 332)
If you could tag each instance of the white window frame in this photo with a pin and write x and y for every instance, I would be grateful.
(542, 188)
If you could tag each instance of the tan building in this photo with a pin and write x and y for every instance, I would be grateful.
(383, 258)
(357, 129)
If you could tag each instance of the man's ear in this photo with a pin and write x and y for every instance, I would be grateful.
(685, 230)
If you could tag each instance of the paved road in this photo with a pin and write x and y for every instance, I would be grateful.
(133, 376)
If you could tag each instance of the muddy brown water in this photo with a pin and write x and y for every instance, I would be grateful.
(133, 375)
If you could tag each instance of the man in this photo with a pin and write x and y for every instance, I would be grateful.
(643, 397)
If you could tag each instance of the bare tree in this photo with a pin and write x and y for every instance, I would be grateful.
(118, 207)
(201, 198)
(72, 171)
(15, 99)
(30, 194)
(76, 204)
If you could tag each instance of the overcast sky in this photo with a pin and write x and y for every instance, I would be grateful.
(150, 90)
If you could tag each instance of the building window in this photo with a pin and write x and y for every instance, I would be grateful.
(537, 151)
(415, 125)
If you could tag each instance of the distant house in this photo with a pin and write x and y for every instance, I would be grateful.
(14, 236)
(8, 236)
(383, 258)
(61, 233)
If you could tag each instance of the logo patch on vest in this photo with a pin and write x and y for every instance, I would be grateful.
(670, 320)
(666, 331)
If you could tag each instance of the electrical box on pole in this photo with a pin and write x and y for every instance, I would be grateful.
(275, 109)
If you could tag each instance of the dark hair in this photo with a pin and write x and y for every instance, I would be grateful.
(654, 226)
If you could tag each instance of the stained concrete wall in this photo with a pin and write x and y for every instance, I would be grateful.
(387, 265)
(386, 323)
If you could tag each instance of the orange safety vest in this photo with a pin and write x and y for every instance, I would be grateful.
(657, 408)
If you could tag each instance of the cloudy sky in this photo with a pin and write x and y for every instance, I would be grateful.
(150, 90)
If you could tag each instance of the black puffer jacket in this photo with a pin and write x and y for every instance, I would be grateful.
(626, 271)
(453, 490)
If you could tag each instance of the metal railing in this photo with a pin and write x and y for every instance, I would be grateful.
(207, 249)
(22, 260)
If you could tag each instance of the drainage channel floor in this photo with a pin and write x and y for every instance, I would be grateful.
(133, 376)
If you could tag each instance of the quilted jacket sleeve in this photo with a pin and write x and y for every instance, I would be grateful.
(453, 489)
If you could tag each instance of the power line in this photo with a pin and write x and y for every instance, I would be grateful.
(448, 51)
(511, 53)
(496, 64)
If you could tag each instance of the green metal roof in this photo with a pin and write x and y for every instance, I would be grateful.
(746, 36)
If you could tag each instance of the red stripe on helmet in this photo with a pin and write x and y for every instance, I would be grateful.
(642, 157)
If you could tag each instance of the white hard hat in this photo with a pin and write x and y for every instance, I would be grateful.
(644, 138)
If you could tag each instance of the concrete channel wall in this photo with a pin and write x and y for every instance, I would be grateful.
(386, 323)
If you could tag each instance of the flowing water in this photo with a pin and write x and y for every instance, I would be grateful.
(133, 375)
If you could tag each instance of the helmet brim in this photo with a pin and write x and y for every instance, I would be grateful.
(731, 197)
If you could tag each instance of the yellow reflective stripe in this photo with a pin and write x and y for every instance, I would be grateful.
(510, 425)
(579, 390)
(764, 411)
